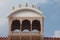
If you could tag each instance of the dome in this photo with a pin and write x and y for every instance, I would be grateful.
(26, 12)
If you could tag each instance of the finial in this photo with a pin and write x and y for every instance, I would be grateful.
(19, 5)
(26, 4)
(32, 5)
(39, 8)
(13, 8)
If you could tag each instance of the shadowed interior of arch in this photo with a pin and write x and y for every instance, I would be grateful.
(15, 25)
(36, 25)
(26, 25)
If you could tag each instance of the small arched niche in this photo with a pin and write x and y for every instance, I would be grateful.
(15, 26)
(36, 26)
(26, 25)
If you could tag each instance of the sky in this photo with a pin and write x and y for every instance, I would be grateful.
(50, 8)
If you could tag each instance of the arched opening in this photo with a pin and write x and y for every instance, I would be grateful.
(36, 25)
(36, 28)
(15, 25)
(26, 25)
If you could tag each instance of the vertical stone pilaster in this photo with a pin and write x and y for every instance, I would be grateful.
(31, 29)
(42, 28)
(20, 27)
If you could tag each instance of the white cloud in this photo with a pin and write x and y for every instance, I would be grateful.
(57, 34)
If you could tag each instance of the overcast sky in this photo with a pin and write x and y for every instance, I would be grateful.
(50, 8)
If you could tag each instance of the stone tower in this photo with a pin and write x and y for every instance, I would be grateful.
(26, 23)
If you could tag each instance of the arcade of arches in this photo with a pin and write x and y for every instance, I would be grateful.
(25, 29)
(26, 25)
